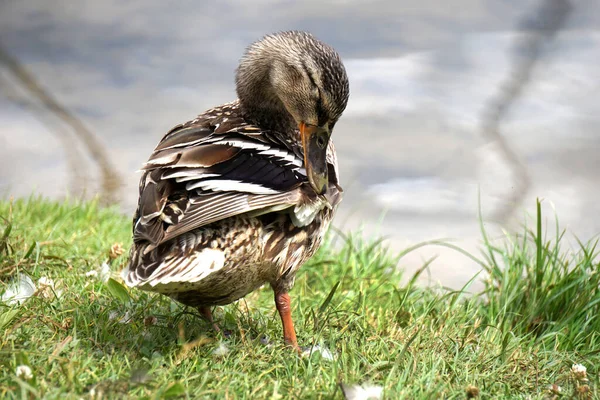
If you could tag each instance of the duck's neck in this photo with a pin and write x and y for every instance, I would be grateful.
(259, 100)
(272, 117)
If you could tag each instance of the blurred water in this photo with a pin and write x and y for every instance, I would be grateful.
(410, 143)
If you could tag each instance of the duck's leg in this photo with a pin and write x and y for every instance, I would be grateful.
(283, 304)
(207, 314)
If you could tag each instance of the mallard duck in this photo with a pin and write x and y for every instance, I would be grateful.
(243, 194)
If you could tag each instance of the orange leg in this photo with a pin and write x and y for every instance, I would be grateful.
(282, 302)
(207, 314)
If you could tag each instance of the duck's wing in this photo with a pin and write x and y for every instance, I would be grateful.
(212, 168)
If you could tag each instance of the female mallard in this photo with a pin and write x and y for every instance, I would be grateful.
(243, 194)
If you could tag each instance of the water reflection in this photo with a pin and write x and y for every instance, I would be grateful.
(411, 143)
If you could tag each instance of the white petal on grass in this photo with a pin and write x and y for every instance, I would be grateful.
(126, 318)
(24, 372)
(221, 351)
(579, 371)
(554, 389)
(18, 290)
(48, 289)
(104, 272)
(325, 352)
(45, 282)
(364, 392)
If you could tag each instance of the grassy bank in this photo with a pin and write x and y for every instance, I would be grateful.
(85, 336)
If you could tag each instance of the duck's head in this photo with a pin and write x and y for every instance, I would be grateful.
(290, 80)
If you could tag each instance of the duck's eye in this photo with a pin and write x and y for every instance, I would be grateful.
(322, 141)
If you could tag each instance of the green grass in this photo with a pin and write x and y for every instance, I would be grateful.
(538, 314)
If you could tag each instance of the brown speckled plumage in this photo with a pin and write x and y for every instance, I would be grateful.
(243, 194)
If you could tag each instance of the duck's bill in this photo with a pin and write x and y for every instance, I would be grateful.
(314, 141)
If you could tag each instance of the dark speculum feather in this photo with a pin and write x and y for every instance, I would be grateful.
(247, 167)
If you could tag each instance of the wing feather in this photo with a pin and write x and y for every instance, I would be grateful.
(211, 209)
(215, 167)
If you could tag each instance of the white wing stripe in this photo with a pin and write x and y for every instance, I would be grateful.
(284, 155)
(185, 173)
(243, 145)
(224, 185)
(264, 150)
(195, 177)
